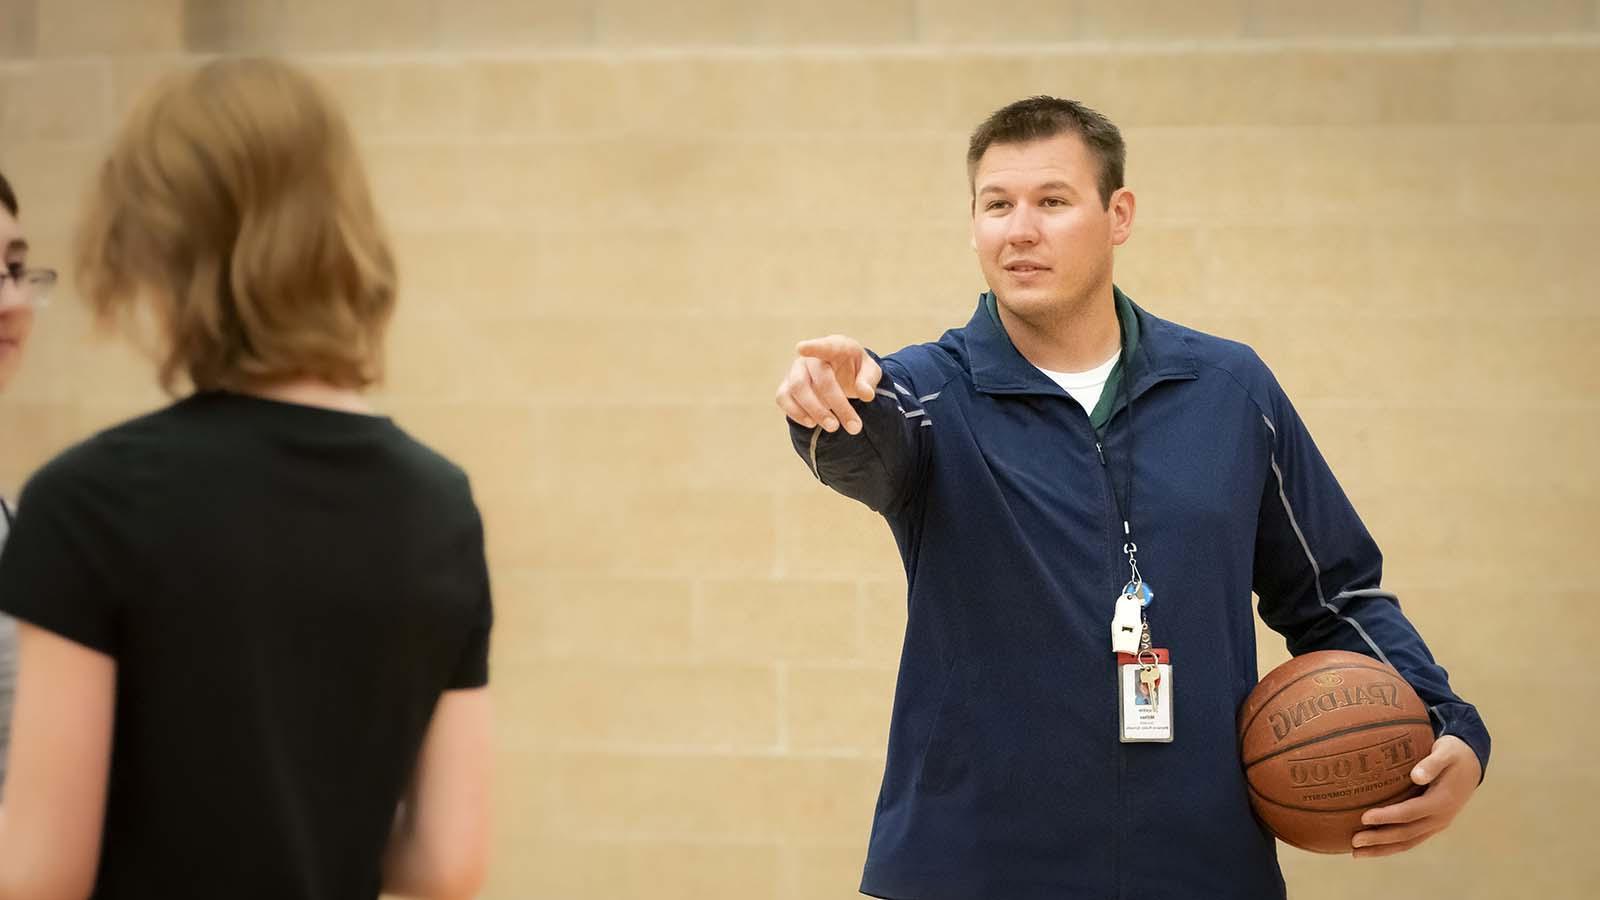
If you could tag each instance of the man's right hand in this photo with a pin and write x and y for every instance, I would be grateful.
(826, 375)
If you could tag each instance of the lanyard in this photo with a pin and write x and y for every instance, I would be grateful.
(1124, 501)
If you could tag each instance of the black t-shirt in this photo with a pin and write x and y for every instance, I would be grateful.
(286, 591)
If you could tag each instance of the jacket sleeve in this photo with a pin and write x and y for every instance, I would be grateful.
(882, 466)
(1319, 573)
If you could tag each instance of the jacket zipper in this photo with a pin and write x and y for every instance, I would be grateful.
(1122, 837)
(1123, 814)
(1122, 757)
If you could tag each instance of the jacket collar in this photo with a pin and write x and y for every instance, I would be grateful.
(1160, 352)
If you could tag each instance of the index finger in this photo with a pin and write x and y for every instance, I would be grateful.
(830, 348)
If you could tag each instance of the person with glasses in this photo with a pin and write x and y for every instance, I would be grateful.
(253, 626)
(22, 289)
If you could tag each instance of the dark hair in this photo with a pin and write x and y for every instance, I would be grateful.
(1041, 117)
(8, 199)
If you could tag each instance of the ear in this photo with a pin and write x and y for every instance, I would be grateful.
(1121, 210)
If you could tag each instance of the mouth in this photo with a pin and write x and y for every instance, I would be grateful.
(1026, 268)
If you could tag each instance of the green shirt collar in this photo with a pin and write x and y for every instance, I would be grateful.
(1129, 320)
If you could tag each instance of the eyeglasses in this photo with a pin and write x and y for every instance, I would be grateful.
(32, 285)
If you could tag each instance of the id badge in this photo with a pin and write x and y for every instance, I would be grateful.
(1144, 697)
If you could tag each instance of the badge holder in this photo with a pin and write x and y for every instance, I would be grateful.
(1144, 672)
(1144, 697)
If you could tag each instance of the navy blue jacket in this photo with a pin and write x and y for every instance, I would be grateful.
(1005, 778)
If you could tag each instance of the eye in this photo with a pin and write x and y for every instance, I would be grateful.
(996, 204)
(1054, 201)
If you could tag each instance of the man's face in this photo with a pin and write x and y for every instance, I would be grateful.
(1043, 237)
(16, 310)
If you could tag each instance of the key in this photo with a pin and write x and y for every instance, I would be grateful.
(1150, 677)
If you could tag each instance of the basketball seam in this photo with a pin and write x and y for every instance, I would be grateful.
(1353, 729)
(1303, 675)
(1385, 799)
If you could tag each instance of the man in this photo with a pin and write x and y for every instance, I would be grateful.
(1069, 478)
(21, 289)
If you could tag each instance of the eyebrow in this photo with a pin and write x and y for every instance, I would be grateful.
(17, 246)
(1047, 186)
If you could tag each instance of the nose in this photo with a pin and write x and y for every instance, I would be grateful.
(11, 294)
(1022, 226)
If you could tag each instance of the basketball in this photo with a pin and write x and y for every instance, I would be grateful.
(1325, 737)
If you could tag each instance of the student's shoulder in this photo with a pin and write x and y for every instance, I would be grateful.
(100, 464)
(426, 467)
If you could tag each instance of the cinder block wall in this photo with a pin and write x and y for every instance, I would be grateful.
(614, 217)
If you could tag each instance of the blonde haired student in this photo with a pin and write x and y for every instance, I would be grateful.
(254, 623)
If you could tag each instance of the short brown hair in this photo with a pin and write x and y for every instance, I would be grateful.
(1042, 117)
(8, 199)
(234, 198)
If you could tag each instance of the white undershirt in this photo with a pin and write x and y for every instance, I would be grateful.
(1085, 387)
